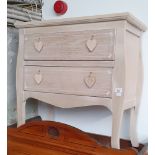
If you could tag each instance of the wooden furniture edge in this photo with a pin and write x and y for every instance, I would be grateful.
(69, 139)
(87, 19)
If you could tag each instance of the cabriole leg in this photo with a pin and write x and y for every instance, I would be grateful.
(116, 127)
(133, 125)
(20, 112)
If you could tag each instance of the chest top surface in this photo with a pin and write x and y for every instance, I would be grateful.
(87, 19)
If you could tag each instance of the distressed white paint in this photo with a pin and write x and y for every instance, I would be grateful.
(98, 119)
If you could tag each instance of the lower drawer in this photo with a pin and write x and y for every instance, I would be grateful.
(69, 80)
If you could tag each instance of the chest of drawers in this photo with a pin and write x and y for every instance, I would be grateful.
(82, 62)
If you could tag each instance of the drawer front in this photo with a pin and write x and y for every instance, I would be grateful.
(69, 80)
(75, 45)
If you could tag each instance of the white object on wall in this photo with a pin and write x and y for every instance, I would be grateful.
(98, 119)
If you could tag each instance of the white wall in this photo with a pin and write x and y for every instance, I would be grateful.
(98, 119)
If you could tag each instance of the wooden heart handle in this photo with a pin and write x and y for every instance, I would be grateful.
(38, 44)
(91, 44)
(90, 80)
(38, 77)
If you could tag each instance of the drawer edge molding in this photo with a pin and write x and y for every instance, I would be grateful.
(109, 64)
(69, 101)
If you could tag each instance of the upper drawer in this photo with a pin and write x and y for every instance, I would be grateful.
(72, 45)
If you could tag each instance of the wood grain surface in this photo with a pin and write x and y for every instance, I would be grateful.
(71, 45)
(69, 80)
(52, 138)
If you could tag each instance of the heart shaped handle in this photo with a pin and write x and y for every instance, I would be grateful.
(38, 44)
(38, 77)
(90, 80)
(91, 44)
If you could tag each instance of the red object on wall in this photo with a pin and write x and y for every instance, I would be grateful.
(60, 7)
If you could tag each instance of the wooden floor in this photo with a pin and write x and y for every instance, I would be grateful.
(103, 140)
